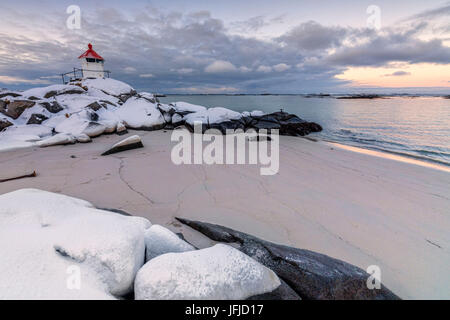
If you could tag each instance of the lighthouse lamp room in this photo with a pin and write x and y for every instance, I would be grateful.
(92, 66)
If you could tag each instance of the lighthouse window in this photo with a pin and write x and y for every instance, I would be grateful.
(90, 60)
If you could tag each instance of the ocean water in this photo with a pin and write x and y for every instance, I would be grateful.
(417, 127)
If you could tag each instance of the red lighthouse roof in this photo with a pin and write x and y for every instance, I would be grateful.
(90, 53)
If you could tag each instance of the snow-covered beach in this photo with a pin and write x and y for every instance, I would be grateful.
(362, 209)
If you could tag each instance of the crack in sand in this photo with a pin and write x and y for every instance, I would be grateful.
(121, 166)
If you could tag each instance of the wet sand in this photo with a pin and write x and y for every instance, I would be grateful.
(358, 207)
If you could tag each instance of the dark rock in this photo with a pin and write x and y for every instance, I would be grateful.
(227, 125)
(288, 124)
(33, 98)
(53, 107)
(124, 97)
(93, 115)
(94, 106)
(53, 93)
(37, 118)
(310, 274)
(362, 96)
(10, 94)
(262, 124)
(4, 123)
(283, 292)
(15, 108)
(50, 94)
(121, 212)
(106, 102)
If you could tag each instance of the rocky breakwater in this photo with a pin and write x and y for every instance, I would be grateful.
(89, 108)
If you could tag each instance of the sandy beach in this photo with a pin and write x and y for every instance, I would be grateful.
(357, 207)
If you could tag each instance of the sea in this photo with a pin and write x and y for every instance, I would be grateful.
(411, 126)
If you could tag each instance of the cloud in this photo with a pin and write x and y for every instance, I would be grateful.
(220, 66)
(313, 36)
(281, 67)
(147, 75)
(129, 70)
(196, 51)
(264, 69)
(207, 90)
(398, 74)
(184, 70)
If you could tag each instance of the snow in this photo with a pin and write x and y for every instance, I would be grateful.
(212, 115)
(140, 114)
(64, 234)
(220, 272)
(23, 136)
(40, 92)
(160, 240)
(108, 85)
(187, 107)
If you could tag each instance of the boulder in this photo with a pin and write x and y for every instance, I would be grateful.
(94, 129)
(53, 107)
(219, 273)
(283, 292)
(83, 138)
(36, 118)
(288, 124)
(121, 129)
(129, 143)
(160, 240)
(15, 108)
(4, 123)
(312, 275)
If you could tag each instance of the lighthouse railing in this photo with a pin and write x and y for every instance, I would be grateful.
(77, 74)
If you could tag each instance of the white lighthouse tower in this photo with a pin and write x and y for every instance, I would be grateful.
(92, 64)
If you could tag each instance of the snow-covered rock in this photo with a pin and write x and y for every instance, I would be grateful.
(160, 240)
(138, 113)
(100, 106)
(59, 247)
(183, 107)
(219, 272)
(212, 115)
(129, 143)
(57, 139)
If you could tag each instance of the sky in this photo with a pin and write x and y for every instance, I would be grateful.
(199, 46)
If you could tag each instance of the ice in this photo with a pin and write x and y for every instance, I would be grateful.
(160, 240)
(219, 272)
(50, 237)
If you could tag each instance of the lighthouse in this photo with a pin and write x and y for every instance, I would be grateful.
(92, 64)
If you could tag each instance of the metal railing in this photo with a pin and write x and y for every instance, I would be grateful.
(77, 74)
